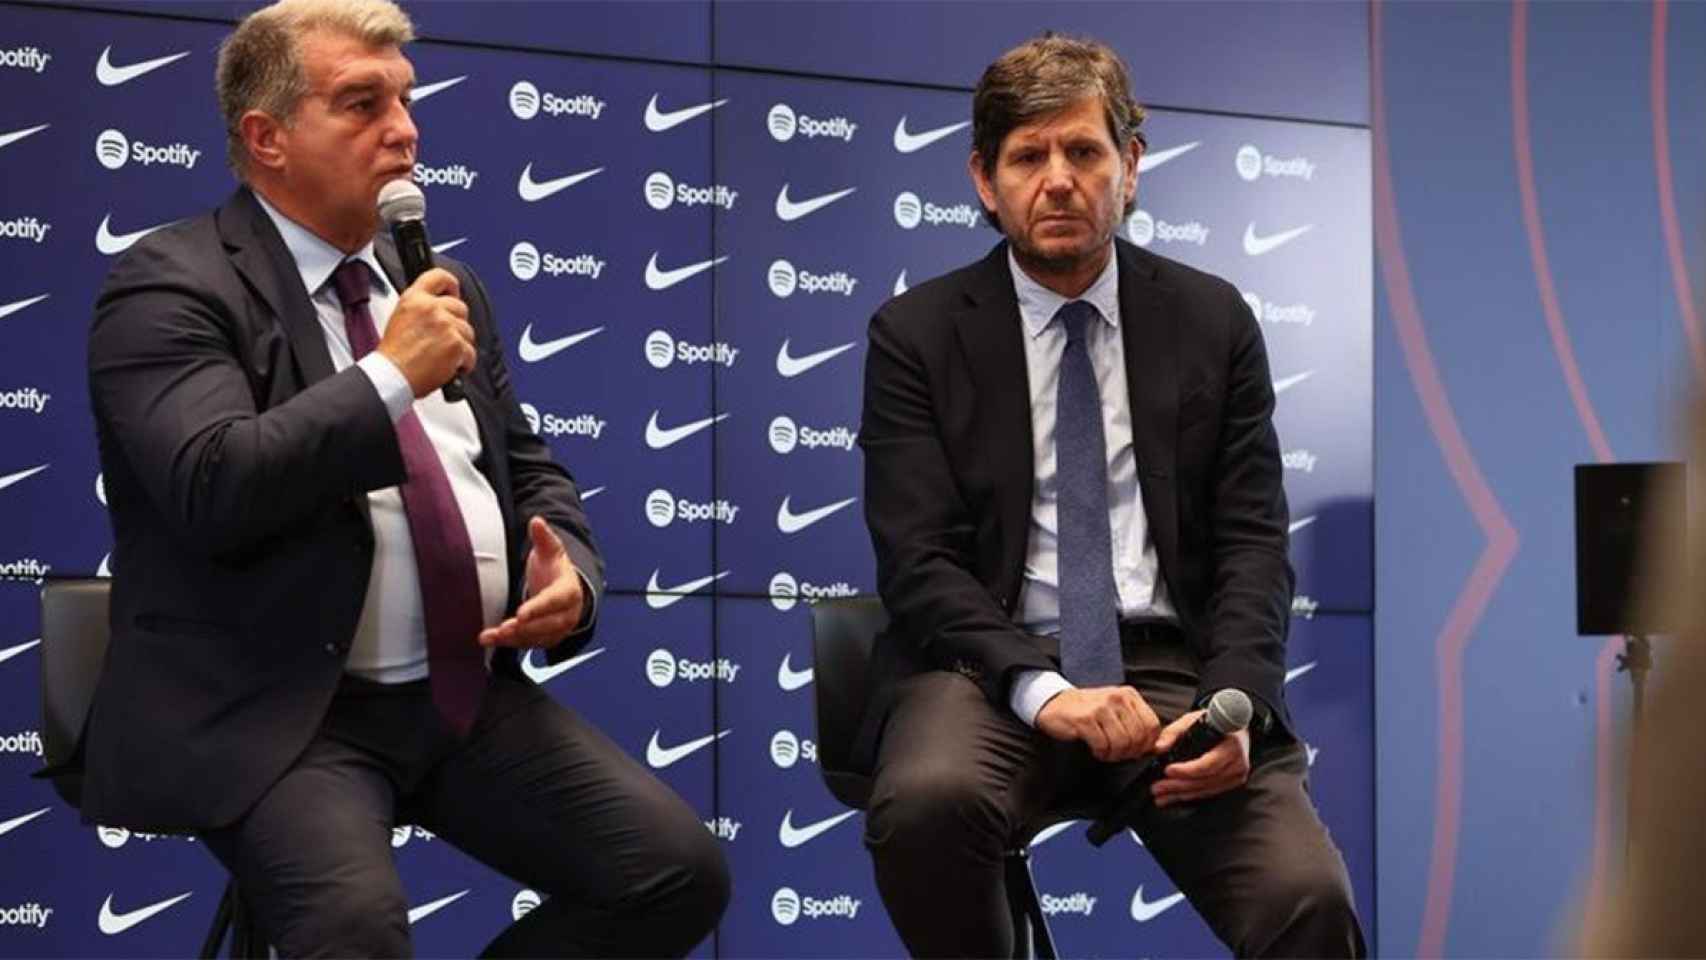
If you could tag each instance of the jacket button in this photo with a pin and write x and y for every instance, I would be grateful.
(332, 648)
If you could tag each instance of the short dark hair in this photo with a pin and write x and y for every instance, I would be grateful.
(1046, 74)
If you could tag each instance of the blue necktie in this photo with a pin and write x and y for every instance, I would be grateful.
(1089, 622)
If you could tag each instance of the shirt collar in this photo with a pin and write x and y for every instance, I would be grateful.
(315, 258)
(1038, 304)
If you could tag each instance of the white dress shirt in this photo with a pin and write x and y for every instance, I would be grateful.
(1137, 572)
(390, 643)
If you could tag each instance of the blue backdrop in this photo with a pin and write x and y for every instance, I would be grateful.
(685, 214)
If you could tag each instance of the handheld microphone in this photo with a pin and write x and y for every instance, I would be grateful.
(402, 206)
(1229, 711)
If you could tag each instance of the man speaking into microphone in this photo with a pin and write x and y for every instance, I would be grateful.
(327, 567)
(1072, 482)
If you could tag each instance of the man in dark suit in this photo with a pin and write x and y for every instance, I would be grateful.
(1073, 488)
(327, 571)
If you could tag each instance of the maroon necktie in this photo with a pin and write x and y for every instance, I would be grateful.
(444, 556)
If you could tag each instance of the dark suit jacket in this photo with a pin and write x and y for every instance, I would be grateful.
(949, 476)
(237, 468)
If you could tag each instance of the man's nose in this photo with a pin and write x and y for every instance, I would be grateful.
(1058, 175)
(400, 128)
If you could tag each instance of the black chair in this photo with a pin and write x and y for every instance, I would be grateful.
(74, 633)
(844, 632)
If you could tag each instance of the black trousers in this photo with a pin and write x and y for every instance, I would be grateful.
(958, 778)
(535, 792)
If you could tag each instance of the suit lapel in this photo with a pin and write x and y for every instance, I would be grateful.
(1149, 327)
(259, 254)
(990, 335)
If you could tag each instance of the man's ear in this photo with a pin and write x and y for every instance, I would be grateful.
(265, 139)
(1129, 157)
(979, 179)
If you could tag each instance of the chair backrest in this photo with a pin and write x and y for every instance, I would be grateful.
(74, 633)
(844, 633)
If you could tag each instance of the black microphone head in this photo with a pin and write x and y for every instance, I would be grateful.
(400, 201)
(1229, 711)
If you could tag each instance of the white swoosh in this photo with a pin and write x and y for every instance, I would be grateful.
(787, 209)
(660, 756)
(1049, 833)
(1296, 672)
(788, 521)
(421, 93)
(544, 675)
(7, 139)
(425, 910)
(7, 826)
(449, 245)
(11, 652)
(533, 351)
(105, 569)
(1313, 752)
(658, 437)
(1150, 161)
(1256, 246)
(535, 190)
(591, 492)
(1281, 386)
(900, 284)
(8, 309)
(1144, 912)
(1300, 524)
(657, 121)
(21, 475)
(111, 76)
(790, 679)
(113, 924)
(658, 279)
(110, 243)
(789, 366)
(913, 142)
(792, 836)
(659, 597)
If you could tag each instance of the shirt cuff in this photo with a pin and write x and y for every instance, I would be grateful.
(589, 610)
(1032, 690)
(393, 388)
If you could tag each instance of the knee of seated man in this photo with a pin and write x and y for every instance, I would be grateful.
(352, 925)
(690, 880)
(1310, 890)
(931, 800)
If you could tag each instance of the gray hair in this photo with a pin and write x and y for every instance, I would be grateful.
(1046, 74)
(260, 63)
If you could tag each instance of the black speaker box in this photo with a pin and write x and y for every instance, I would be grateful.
(1615, 504)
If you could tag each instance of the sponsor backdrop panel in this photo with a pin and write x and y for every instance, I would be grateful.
(1289, 59)
(802, 879)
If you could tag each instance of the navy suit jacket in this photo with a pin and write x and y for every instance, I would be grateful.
(237, 465)
(946, 435)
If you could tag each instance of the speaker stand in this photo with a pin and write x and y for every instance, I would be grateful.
(1637, 661)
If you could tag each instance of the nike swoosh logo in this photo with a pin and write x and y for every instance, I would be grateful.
(789, 210)
(533, 351)
(421, 93)
(11, 652)
(7, 139)
(913, 142)
(657, 121)
(111, 76)
(659, 437)
(792, 836)
(1300, 524)
(1296, 672)
(658, 279)
(660, 756)
(789, 366)
(1281, 386)
(658, 597)
(788, 521)
(105, 569)
(1144, 912)
(417, 914)
(1049, 833)
(1150, 161)
(7, 310)
(900, 286)
(591, 492)
(110, 243)
(449, 245)
(21, 475)
(790, 679)
(544, 674)
(533, 190)
(1256, 246)
(113, 924)
(1312, 751)
(7, 826)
